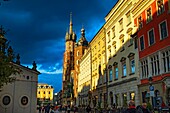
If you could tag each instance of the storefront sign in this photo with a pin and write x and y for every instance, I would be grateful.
(151, 88)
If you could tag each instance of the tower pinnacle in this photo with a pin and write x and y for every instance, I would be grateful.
(71, 24)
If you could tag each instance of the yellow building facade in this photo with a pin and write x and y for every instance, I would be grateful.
(98, 56)
(45, 92)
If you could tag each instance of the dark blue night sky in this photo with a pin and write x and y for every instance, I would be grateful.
(37, 30)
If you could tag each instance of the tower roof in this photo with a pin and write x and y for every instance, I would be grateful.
(70, 35)
(82, 41)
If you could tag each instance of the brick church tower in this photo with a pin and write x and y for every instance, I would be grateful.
(72, 55)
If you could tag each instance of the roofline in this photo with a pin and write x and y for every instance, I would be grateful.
(34, 71)
(97, 32)
(112, 8)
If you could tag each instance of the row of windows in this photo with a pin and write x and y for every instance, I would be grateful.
(98, 47)
(115, 71)
(156, 64)
(160, 10)
(44, 92)
(120, 26)
(121, 97)
(163, 30)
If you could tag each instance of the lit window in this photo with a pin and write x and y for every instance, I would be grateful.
(163, 30)
(160, 5)
(151, 37)
(132, 96)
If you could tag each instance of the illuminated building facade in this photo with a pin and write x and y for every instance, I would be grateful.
(45, 93)
(98, 64)
(121, 55)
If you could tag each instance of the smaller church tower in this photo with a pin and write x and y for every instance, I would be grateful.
(79, 51)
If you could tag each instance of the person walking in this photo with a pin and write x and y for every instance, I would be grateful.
(131, 107)
(143, 108)
(47, 108)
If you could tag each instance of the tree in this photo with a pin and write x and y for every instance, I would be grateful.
(7, 67)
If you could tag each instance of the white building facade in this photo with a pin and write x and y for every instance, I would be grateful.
(84, 79)
(20, 96)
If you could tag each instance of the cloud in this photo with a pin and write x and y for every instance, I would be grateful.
(37, 28)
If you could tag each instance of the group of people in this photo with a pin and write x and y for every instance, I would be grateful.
(47, 109)
(139, 109)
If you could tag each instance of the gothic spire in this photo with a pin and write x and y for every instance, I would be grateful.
(71, 24)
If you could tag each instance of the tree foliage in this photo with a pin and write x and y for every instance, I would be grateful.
(7, 67)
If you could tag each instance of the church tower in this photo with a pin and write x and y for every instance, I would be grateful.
(72, 56)
(68, 62)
